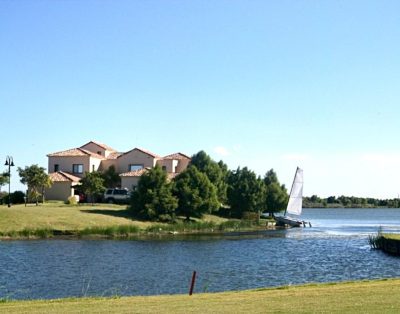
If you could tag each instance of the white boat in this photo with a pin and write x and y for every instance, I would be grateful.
(291, 217)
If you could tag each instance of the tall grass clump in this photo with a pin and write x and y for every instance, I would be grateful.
(376, 241)
(183, 227)
(235, 225)
(71, 201)
(111, 231)
(28, 233)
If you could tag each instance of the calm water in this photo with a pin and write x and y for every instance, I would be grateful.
(335, 249)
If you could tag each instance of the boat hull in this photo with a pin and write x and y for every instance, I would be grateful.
(289, 222)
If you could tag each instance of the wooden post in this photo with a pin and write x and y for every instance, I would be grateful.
(192, 283)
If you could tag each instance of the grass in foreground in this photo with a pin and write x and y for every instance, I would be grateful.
(380, 296)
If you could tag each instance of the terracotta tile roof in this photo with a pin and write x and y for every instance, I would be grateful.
(114, 155)
(104, 146)
(143, 151)
(135, 173)
(177, 156)
(61, 176)
(74, 152)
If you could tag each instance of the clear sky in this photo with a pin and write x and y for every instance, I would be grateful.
(263, 84)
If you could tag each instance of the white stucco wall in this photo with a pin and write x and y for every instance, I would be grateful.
(135, 157)
(169, 164)
(105, 164)
(65, 163)
(182, 165)
(59, 191)
(129, 182)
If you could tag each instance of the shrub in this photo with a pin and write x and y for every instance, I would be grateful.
(71, 200)
(235, 225)
(18, 197)
(252, 216)
(165, 218)
(3, 197)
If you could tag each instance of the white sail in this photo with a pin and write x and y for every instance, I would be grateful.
(295, 203)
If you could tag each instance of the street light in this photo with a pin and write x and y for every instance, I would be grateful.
(9, 163)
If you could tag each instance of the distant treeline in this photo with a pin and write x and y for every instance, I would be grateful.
(348, 201)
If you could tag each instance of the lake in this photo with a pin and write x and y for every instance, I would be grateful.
(335, 249)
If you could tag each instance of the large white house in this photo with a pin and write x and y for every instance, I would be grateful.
(67, 167)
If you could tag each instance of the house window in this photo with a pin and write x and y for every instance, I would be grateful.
(92, 168)
(99, 152)
(56, 167)
(77, 168)
(135, 167)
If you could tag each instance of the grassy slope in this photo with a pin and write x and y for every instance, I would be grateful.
(392, 236)
(381, 296)
(63, 217)
(58, 216)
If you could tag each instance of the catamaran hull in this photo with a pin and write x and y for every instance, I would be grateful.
(289, 222)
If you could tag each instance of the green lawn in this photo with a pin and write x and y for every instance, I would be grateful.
(58, 216)
(381, 296)
(393, 236)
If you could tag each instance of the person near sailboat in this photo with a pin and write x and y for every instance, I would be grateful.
(295, 204)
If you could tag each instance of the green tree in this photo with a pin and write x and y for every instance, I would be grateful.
(3, 179)
(276, 196)
(92, 184)
(196, 194)
(36, 179)
(111, 178)
(153, 197)
(216, 172)
(315, 199)
(332, 200)
(246, 192)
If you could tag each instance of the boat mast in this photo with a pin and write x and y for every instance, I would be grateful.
(291, 189)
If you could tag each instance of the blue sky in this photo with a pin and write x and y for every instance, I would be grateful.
(263, 84)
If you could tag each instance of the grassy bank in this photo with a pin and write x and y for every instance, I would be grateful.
(381, 296)
(387, 242)
(105, 220)
(61, 217)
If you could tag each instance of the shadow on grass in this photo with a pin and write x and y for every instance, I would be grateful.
(124, 213)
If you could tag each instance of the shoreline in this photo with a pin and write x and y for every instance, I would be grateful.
(49, 234)
(105, 221)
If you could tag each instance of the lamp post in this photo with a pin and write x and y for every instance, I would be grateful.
(9, 163)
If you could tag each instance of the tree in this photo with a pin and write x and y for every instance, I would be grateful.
(92, 184)
(196, 194)
(153, 197)
(3, 179)
(315, 199)
(216, 172)
(331, 200)
(276, 197)
(246, 192)
(36, 179)
(111, 178)
(271, 177)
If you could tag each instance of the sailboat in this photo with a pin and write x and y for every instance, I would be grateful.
(295, 204)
